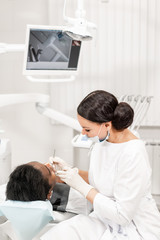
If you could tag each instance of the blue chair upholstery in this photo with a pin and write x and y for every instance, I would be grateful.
(27, 218)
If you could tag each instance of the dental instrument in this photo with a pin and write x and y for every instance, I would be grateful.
(54, 153)
(50, 159)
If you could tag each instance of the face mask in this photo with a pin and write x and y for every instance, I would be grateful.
(106, 138)
(96, 138)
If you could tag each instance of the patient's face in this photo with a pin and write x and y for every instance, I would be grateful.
(47, 171)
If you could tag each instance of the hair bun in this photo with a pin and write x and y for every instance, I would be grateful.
(123, 116)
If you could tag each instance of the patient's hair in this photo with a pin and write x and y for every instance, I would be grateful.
(27, 183)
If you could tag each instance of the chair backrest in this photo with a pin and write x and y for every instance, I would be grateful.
(27, 218)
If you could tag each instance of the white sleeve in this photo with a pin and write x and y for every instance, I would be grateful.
(129, 187)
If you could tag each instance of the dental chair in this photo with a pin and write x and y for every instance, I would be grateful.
(25, 219)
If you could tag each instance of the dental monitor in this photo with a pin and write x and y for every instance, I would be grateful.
(50, 51)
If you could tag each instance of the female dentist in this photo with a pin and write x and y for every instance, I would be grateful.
(118, 182)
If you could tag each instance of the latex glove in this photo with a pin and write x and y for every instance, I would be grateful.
(74, 180)
(58, 164)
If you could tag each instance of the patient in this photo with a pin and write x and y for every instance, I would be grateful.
(30, 182)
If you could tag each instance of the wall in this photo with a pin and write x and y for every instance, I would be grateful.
(122, 58)
(32, 135)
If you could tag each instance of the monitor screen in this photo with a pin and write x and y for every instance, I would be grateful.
(49, 50)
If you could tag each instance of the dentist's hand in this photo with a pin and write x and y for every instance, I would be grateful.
(58, 164)
(74, 180)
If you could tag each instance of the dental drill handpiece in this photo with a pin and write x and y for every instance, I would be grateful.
(51, 162)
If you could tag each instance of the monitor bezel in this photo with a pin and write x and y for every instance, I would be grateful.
(68, 72)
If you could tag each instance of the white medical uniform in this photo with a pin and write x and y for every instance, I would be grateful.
(124, 208)
(121, 173)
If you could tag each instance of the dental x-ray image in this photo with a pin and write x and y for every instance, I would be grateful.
(52, 50)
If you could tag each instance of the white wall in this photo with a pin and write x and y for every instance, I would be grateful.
(32, 135)
(123, 58)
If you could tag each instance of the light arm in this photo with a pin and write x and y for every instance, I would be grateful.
(60, 117)
(5, 47)
(10, 99)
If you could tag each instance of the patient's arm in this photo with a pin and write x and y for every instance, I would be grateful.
(84, 175)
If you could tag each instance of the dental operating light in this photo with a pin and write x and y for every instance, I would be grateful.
(78, 27)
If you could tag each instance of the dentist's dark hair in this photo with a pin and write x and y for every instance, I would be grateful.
(100, 106)
(27, 183)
